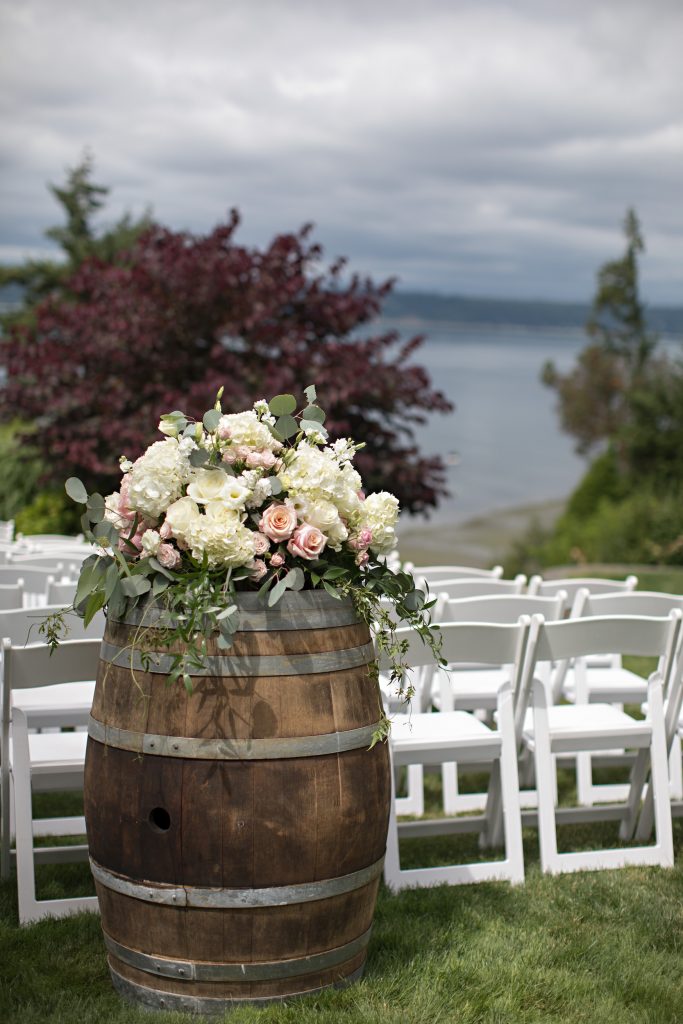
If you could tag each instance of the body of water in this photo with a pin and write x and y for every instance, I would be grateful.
(502, 444)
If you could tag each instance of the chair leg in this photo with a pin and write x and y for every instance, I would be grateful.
(5, 825)
(23, 819)
(545, 785)
(660, 777)
(584, 779)
(638, 776)
(449, 785)
(392, 860)
(676, 769)
(413, 803)
(509, 782)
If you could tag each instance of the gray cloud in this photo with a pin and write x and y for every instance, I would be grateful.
(486, 147)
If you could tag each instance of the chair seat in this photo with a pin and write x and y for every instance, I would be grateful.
(589, 727)
(609, 685)
(477, 688)
(430, 737)
(60, 697)
(55, 753)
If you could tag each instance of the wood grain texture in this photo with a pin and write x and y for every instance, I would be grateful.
(239, 824)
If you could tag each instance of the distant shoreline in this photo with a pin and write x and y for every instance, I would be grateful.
(483, 540)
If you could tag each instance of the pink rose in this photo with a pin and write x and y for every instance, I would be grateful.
(263, 459)
(361, 495)
(124, 508)
(277, 560)
(278, 522)
(258, 569)
(307, 542)
(362, 557)
(236, 453)
(261, 544)
(165, 531)
(362, 540)
(135, 540)
(168, 556)
(223, 431)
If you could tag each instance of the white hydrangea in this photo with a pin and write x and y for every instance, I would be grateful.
(379, 513)
(246, 428)
(343, 449)
(262, 409)
(150, 542)
(158, 477)
(222, 537)
(316, 475)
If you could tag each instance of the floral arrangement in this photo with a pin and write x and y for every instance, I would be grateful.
(254, 500)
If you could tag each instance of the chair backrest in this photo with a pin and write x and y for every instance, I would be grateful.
(579, 638)
(43, 539)
(34, 577)
(634, 602)
(21, 626)
(504, 608)
(460, 588)
(572, 585)
(11, 595)
(60, 592)
(65, 562)
(454, 572)
(483, 643)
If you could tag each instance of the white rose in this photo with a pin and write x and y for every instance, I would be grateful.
(150, 542)
(209, 485)
(181, 517)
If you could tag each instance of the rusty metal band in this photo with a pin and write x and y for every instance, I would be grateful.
(242, 665)
(270, 749)
(306, 610)
(273, 970)
(241, 899)
(155, 999)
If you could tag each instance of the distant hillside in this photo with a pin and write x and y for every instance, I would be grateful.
(458, 309)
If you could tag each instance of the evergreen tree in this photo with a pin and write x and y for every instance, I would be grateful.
(595, 398)
(81, 199)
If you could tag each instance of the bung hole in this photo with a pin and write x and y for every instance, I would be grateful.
(160, 819)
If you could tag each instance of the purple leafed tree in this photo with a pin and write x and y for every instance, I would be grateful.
(178, 316)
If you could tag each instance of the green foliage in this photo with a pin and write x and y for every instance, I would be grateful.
(594, 398)
(601, 482)
(21, 469)
(48, 512)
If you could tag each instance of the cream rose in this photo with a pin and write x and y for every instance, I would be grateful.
(181, 517)
(207, 485)
(307, 542)
(278, 522)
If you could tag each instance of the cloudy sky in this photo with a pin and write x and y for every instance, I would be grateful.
(485, 148)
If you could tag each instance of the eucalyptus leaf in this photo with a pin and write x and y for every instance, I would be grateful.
(282, 405)
(287, 426)
(211, 419)
(135, 586)
(93, 605)
(313, 425)
(414, 600)
(107, 532)
(313, 412)
(275, 485)
(295, 579)
(310, 393)
(225, 642)
(158, 567)
(76, 491)
(110, 580)
(332, 591)
(277, 592)
(198, 456)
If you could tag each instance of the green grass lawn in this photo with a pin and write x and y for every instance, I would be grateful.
(596, 946)
(589, 947)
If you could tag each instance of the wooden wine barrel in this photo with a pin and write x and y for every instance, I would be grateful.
(237, 834)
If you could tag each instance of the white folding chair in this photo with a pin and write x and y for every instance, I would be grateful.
(433, 573)
(34, 580)
(466, 687)
(52, 761)
(60, 592)
(608, 682)
(11, 595)
(462, 588)
(572, 728)
(434, 738)
(572, 584)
